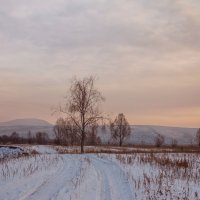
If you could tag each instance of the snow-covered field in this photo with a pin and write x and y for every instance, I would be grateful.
(49, 175)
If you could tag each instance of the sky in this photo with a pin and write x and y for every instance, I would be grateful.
(145, 55)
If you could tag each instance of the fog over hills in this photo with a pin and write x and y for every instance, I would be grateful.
(140, 134)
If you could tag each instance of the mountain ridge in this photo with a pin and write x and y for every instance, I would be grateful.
(26, 122)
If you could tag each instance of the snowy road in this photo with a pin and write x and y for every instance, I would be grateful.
(84, 177)
(113, 183)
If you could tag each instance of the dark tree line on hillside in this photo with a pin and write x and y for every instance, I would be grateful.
(15, 138)
(65, 134)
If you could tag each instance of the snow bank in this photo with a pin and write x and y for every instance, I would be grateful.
(10, 152)
(41, 149)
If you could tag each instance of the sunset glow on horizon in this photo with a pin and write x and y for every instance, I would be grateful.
(145, 55)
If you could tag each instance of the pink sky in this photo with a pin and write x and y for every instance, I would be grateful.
(146, 55)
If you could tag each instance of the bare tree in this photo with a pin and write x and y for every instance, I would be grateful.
(159, 140)
(59, 131)
(72, 133)
(42, 138)
(103, 128)
(92, 137)
(82, 107)
(174, 142)
(198, 137)
(120, 128)
(5, 139)
(65, 132)
(30, 138)
(14, 138)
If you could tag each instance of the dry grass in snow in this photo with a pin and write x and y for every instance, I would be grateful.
(162, 176)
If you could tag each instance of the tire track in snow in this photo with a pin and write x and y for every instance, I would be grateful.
(59, 182)
(103, 186)
(102, 180)
(114, 185)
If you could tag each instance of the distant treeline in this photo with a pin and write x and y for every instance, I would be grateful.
(15, 138)
(67, 135)
(63, 136)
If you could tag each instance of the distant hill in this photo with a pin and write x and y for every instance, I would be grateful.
(140, 134)
(26, 122)
(146, 134)
(23, 126)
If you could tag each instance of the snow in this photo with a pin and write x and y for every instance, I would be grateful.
(72, 177)
(42, 149)
(54, 176)
(7, 152)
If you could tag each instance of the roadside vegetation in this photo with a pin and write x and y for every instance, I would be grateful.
(163, 175)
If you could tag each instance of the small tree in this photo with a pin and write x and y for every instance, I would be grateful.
(60, 131)
(82, 106)
(159, 140)
(65, 133)
(92, 137)
(198, 137)
(42, 138)
(174, 142)
(120, 128)
(14, 138)
(30, 138)
(5, 139)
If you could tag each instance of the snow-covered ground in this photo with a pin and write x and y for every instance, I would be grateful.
(7, 152)
(50, 175)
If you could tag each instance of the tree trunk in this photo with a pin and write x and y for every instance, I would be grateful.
(82, 141)
(120, 135)
(120, 142)
(83, 134)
